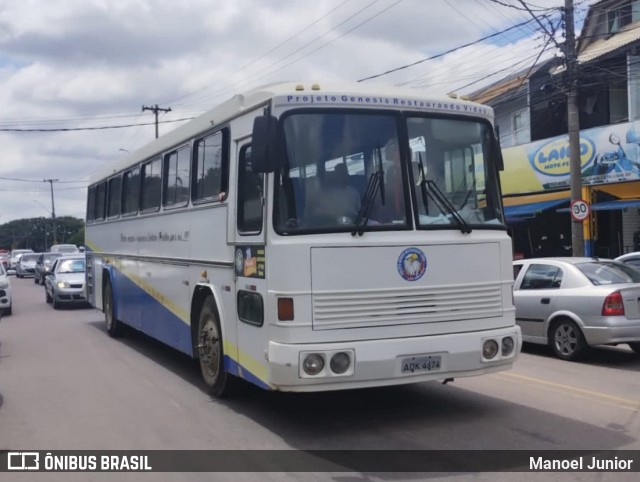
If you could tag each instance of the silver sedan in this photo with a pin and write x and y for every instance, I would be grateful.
(573, 303)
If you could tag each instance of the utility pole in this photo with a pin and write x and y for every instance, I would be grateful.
(155, 109)
(573, 125)
(53, 210)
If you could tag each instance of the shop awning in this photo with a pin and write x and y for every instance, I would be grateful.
(530, 210)
(616, 204)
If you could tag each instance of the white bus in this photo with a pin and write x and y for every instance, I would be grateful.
(305, 238)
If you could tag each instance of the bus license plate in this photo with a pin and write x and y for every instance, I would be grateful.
(419, 364)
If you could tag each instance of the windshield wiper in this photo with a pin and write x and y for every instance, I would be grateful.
(375, 184)
(439, 199)
(464, 227)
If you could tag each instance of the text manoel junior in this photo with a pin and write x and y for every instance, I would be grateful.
(540, 463)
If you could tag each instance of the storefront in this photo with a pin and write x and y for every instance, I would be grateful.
(536, 197)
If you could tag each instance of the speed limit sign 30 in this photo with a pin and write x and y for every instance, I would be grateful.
(579, 210)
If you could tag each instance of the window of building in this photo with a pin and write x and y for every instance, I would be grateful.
(521, 127)
(176, 177)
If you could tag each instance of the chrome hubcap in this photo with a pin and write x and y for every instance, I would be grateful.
(566, 339)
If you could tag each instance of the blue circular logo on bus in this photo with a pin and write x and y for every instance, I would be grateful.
(412, 263)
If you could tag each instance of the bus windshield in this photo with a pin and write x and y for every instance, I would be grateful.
(346, 171)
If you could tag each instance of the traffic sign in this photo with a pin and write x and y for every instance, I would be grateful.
(580, 210)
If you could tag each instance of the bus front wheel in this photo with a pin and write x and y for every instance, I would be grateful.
(210, 350)
(114, 326)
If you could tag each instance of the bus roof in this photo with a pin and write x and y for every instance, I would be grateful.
(291, 95)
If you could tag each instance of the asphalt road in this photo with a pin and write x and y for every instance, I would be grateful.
(64, 384)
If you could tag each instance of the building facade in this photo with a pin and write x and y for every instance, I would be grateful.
(531, 115)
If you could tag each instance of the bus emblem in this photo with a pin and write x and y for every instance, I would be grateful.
(412, 263)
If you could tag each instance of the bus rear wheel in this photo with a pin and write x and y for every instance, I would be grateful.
(210, 350)
(114, 326)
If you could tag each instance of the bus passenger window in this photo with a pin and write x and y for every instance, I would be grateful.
(250, 191)
(151, 187)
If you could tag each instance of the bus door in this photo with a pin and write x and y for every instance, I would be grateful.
(249, 266)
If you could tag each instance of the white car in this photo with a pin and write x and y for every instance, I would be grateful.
(64, 248)
(27, 264)
(632, 259)
(15, 257)
(5, 292)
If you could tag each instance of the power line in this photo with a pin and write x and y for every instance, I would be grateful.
(68, 129)
(442, 54)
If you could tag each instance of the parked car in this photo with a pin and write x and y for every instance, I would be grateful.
(5, 260)
(632, 259)
(43, 266)
(15, 256)
(574, 303)
(64, 284)
(26, 264)
(5, 292)
(64, 248)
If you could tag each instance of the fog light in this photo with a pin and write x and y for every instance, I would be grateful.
(489, 349)
(340, 363)
(507, 346)
(313, 364)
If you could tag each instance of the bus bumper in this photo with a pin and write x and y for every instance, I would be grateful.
(391, 362)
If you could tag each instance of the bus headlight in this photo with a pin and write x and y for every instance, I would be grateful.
(507, 346)
(489, 349)
(340, 363)
(313, 364)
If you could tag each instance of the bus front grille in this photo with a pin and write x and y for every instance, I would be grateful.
(354, 309)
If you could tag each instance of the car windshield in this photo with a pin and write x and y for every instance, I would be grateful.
(49, 258)
(71, 266)
(29, 257)
(605, 273)
(348, 171)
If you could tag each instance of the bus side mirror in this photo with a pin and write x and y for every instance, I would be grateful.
(264, 156)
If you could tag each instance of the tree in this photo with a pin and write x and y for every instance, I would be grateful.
(36, 233)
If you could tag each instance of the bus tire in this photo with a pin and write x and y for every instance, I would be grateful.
(210, 350)
(114, 326)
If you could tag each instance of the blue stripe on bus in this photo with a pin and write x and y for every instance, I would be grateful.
(231, 366)
(160, 323)
(137, 308)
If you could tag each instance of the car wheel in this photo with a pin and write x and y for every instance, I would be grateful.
(114, 326)
(567, 341)
(35, 279)
(8, 311)
(55, 303)
(47, 298)
(211, 352)
(635, 346)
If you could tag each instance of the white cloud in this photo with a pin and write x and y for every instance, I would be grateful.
(75, 63)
